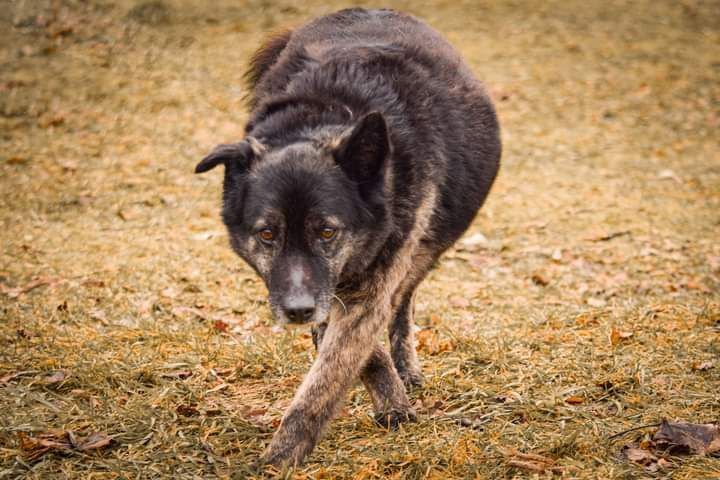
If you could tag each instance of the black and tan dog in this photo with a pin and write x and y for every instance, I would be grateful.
(369, 149)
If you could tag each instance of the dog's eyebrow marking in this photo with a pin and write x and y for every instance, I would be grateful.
(333, 221)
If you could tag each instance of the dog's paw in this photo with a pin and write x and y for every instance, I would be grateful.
(393, 418)
(411, 378)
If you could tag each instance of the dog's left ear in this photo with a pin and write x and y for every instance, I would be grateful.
(232, 155)
(364, 148)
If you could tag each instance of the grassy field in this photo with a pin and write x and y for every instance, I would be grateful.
(590, 306)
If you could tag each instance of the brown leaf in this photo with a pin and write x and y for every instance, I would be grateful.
(183, 312)
(575, 400)
(17, 160)
(539, 279)
(639, 456)
(51, 120)
(700, 366)
(473, 242)
(684, 438)
(458, 301)
(178, 374)
(36, 447)
(530, 461)
(616, 336)
(429, 342)
(220, 326)
(94, 441)
(596, 302)
(13, 375)
(55, 377)
(36, 283)
(187, 410)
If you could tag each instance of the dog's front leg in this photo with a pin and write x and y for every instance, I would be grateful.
(347, 344)
(382, 382)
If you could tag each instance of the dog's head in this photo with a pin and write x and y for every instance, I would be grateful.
(308, 214)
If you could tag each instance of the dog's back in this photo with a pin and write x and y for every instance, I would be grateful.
(441, 122)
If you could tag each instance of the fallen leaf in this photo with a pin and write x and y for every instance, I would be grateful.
(616, 336)
(68, 165)
(183, 312)
(187, 410)
(60, 440)
(220, 326)
(684, 438)
(574, 400)
(539, 279)
(596, 302)
(94, 441)
(99, 315)
(7, 378)
(169, 292)
(55, 377)
(530, 461)
(458, 301)
(429, 342)
(178, 374)
(17, 160)
(51, 120)
(207, 235)
(93, 282)
(217, 388)
(36, 283)
(668, 174)
(474, 241)
(639, 456)
(702, 366)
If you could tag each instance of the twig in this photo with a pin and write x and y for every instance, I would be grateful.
(610, 236)
(620, 434)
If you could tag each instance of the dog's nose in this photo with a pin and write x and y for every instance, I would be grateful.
(299, 315)
(299, 310)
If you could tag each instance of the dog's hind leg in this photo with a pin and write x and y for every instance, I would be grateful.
(402, 342)
(402, 336)
(386, 389)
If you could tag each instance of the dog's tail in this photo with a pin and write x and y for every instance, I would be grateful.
(262, 60)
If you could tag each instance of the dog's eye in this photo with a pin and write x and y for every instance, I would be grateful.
(328, 233)
(266, 235)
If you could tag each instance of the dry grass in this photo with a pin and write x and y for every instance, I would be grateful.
(545, 340)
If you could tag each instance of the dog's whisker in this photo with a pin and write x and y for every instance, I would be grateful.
(340, 302)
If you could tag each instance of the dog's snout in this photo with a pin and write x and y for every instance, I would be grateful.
(299, 309)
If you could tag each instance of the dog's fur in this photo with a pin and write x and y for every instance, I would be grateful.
(369, 149)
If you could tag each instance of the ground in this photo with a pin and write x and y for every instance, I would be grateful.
(583, 302)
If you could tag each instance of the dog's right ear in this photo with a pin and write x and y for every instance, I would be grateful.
(237, 156)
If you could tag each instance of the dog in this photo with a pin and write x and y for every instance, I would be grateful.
(369, 149)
